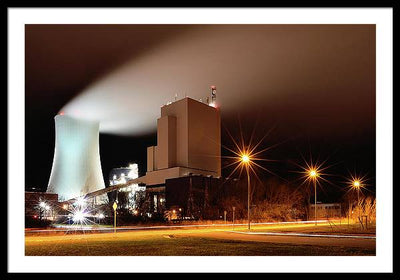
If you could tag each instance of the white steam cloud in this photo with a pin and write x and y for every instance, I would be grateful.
(245, 63)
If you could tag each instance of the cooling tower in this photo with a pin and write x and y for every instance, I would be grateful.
(76, 167)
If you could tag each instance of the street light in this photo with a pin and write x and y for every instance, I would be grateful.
(313, 172)
(313, 175)
(245, 158)
(356, 184)
(115, 216)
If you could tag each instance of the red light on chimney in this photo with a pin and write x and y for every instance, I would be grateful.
(61, 113)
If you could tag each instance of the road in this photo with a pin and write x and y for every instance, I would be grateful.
(205, 241)
(98, 228)
(327, 240)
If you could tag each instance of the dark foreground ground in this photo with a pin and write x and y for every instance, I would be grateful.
(206, 242)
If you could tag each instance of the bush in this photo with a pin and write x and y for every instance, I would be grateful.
(31, 222)
(366, 207)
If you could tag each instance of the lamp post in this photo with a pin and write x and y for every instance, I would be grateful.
(356, 185)
(312, 174)
(246, 160)
(115, 216)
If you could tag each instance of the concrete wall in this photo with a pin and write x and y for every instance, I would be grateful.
(204, 135)
(150, 158)
(325, 210)
(166, 142)
(179, 110)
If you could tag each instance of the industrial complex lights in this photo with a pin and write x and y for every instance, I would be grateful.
(78, 216)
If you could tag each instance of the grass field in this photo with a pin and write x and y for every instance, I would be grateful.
(320, 229)
(185, 242)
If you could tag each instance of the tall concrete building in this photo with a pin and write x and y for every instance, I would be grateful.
(188, 142)
(76, 167)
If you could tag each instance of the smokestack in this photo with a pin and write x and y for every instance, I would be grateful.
(76, 167)
(213, 96)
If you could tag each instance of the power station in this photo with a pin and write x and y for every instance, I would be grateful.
(182, 169)
(188, 141)
(76, 167)
(188, 146)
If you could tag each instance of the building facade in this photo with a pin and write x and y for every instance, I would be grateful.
(325, 210)
(188, 143)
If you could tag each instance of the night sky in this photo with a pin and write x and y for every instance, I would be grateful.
(311, 86)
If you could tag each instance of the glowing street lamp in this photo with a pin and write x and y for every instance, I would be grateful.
(313, 172)
(313, 175)
(357, 185)
(245, 158)
(357, 182)
(115, 216)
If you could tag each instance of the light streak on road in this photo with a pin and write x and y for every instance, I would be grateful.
(90, 228)
(306, 234)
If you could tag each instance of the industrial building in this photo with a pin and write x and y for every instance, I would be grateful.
(325, 210)
(120, 175)
(183, 169)
(196, 196)
(188, 141)
(126, 195)
(188, 144)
